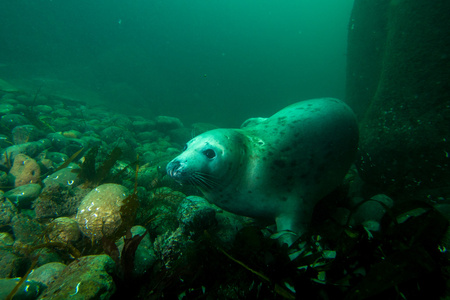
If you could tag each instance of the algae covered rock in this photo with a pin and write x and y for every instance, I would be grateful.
(99, 212)
(63, 230)
(86, 278)
(7, 211)
(195, 214)
(47, 273)
(57, 200)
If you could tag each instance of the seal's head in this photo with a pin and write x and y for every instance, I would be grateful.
(208, 160)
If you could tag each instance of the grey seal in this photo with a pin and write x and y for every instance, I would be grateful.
(273, 168)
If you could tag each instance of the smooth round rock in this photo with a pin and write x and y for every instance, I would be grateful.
(99, 212)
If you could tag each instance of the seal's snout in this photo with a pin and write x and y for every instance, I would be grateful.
(173, 169)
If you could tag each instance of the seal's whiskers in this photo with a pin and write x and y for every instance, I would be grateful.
(205, 181)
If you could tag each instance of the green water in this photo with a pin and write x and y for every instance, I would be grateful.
(201, 61)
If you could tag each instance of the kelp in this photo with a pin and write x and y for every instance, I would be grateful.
(89, 174)
(277, 288)
(130, 205)
(23, 279)
(403, 260)
(68, 161)
(124, 261)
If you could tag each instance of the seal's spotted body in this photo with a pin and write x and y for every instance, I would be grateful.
(275, 168)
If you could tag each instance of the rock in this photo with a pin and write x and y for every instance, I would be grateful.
(66, 177)
(6, 109)
(112, 133)
(43, 109)
(59, 141)
(85, 278)
(29, 290)
(122, 121)
(7, 211)
(72, 134)
(57, 158)
(180, 135)
(30, 149)
(370, 213)
(124, 139)
(23, 195)
(92, 141)
(47, 274)
(195, 214)
(26, 230)
(25, 170)
(61, 113)
(228, 225)
(8, 155)
(165, 123)
(62, 123)
(402, 96)
(58, 200)
(171, 246)
(99, 212)
(12, 120)
(73, 146)
(4, 179)
(63, 230)
(143, 125)
(24, 134)
(11, 265)
(46, 255)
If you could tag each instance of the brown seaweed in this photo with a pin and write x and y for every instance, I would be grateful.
(23, 279)
(92, 176)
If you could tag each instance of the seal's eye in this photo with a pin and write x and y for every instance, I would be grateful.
(185, 147)
(209, 153)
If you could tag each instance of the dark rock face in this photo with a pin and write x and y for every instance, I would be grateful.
(399, 85)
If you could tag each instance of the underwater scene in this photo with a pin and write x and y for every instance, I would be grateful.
(198, 149)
